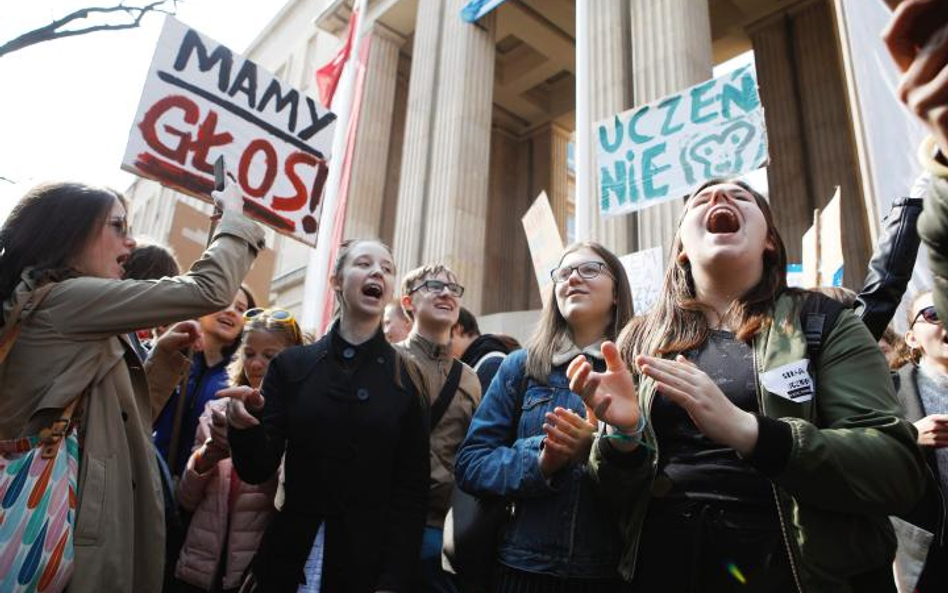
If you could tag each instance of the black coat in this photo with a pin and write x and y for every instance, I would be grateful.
(356, 443)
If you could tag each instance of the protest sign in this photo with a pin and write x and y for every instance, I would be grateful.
(657, 152)
(823, 247)
(543, 238)
(646, 273)
(188, 239)
(201, 100)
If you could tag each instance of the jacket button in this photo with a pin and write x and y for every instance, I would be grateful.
(124, 416)
(380, 360)
(348, 353)
(362, 394)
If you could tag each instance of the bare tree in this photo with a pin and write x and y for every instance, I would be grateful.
(129, 17)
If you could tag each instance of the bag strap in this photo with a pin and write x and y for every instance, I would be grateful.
(818, 316)
(12, 330)
(488, 356)
(450, 389)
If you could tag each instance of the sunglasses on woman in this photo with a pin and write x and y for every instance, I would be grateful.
(928, 315)
(277, 315)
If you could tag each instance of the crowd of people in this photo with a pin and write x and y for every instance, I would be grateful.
(742, 435)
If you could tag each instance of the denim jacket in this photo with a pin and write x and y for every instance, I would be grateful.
(558, 526)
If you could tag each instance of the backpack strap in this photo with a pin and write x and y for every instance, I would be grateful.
(14, 323)
(818, 316)
(450, 389)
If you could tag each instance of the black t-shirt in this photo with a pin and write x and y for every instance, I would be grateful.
(692, 466)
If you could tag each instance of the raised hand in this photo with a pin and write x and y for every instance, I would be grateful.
(712, 412)
(184, 334)
(611, 395)
(229, 198)
(242, 400)
(568, 438)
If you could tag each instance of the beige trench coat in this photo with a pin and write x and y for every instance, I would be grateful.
(77, 339)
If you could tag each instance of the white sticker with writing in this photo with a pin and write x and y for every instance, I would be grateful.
(790, 381)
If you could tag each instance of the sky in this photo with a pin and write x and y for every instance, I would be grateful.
(67, 105)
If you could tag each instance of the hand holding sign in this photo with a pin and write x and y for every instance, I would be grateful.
(712, 412)
(229, 199)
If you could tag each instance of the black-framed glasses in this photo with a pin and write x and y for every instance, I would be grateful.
(928, 314)
(587, 271)
(438, 286)
(120, 224)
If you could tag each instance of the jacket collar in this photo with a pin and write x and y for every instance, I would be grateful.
(571, 351)
(432, 350)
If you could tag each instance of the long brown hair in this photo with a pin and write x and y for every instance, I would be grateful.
(677, 322)
(553, 334)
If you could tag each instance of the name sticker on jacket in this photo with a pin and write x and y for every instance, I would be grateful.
(790, 381)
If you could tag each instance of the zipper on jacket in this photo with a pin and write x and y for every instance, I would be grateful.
(651, 483)
(783, 525)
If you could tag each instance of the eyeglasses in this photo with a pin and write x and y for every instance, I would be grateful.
(281, 316)
(928, 314)
(587, 271)
(438, 286)
(120, 224)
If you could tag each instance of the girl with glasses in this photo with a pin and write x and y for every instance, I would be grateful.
(229, 515)
(348, 416)
(737, 464)
(923, 392)
(530, 438)
(71, 240)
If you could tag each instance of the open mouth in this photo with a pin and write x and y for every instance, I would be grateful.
(574, 291)
(226, 322)
(121, 260)
(372, 290)
(722, 220)
(444, 307)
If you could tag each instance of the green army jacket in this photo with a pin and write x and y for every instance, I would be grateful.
(854, 460)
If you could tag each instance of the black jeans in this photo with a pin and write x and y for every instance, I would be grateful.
(707, 547)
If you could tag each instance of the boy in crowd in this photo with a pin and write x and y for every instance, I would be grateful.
(395, 323)
(431, 296)
(482, 352)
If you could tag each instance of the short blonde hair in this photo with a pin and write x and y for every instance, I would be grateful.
(415, 277)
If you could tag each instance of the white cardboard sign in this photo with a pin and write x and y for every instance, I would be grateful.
(201, 100)
(646, 275)
(544, 240)
(658, 152)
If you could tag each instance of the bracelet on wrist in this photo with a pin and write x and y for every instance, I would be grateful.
(629, 436)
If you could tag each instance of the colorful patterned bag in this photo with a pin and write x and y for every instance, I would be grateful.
(37, 494)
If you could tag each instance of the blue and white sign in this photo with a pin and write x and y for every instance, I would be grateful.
(475, 9)
(658, 152)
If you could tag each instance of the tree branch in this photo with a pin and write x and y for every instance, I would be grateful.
(54, 30)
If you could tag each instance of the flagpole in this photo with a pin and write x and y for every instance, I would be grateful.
(584, 183)
(316, 283)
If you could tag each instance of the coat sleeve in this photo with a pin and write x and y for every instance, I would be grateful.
(192, 486)
(892, 263)
(89, 308)
(256, 451)
(860, 456)
(164, 371)
(933, 228)
(487, 463)
(409, 501)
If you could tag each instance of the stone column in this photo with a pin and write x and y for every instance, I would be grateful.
(390, 207)
(412, 186)
(455, 210)
(811, 139)
(370, 155)
(610, 78)
(671, 50)
(550, 174)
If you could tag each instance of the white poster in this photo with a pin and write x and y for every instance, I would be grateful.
(201, 100)
(658, 152)
(646, 272)
(544, 240)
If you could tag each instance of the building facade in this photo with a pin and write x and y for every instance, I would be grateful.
(463, 125)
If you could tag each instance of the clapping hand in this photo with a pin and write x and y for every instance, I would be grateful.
(611, 395)
(568, 438)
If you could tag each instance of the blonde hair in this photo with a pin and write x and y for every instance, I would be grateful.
(288, 332)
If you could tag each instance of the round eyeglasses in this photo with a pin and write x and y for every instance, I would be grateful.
(586, 270)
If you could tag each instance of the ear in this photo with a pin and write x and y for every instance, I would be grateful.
(911, 341)
(769, 244)
(682, 258)
(335, 283)
(407, 304)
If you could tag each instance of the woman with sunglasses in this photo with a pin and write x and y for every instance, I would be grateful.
(530, 438)
(229, 515)
(349, 417)
(923, 391)
(72, 240)
(738, 463)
